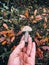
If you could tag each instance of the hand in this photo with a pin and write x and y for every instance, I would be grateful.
(23, 55)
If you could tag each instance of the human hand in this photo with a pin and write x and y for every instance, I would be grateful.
(23, 55)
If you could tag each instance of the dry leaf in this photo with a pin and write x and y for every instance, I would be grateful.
(26, 14)
(22, 16)
(44, 10)
(38, 17)
(44, 25)
(42, 41)
(38, 35)
(32, 17)
(19, 33)
(39, 53)
(35, 12)
(5, 32)
(11, 34)
(45, 47)
(13, 38)
(5, 25)
(2, 39)
(4, 42)
(37, 41)
(13, 48)
(44, 14)
(34, 21)
(45, 19)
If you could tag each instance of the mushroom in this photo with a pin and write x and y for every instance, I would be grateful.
(26, 29)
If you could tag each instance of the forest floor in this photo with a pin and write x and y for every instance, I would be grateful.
(11, 23)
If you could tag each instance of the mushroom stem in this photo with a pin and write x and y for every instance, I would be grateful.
(26, 36)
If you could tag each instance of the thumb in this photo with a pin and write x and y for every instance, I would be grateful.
(19, 48)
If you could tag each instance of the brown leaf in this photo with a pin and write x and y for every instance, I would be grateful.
(5, 25)
(4, 42)
(38, 17)
(44, 10)
(2, 39)
(32, 17)
(34, 21)
(11, 34)
(13, 48)
(42, 41)
(45, 26)
(38, 35)
(45, 19)
(26, 14)
(35, 12)
(19, 33)
(37, 41)
(44, 14)
(45, 47)
(12, 39)
(22, 16)
(5, 32)
(39, 53)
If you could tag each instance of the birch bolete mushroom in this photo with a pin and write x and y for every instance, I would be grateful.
(26, 29)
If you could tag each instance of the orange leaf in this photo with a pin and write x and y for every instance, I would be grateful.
(26, 13)
(39, 53)
(46, 39)
(44, 25)
(11, 34)
(4, 42)
(19, 33)
(13, 48)
(37, 41)
(38, 35)
(5, 32)
(12, 39)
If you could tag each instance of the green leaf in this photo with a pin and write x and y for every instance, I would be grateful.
(6, 7)
(1, 18)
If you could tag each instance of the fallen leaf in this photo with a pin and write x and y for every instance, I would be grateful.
(39, 53)
(44, 25)
(45, 47)
(38, 35)
(13, 38)
(45, 19)
(22, 16)
(5, 25)
(44, 10)
(26, 14)
(35, 12)
(38, 17)
(4, 42)
(2, 39)
(5, 32)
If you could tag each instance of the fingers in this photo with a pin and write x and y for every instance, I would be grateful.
(18, 48)
(29, 45)
(24, 49)
(21, 58)
(33, 51)
(31, 59)
(25, 57)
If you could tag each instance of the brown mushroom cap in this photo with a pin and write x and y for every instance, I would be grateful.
(26, 28)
